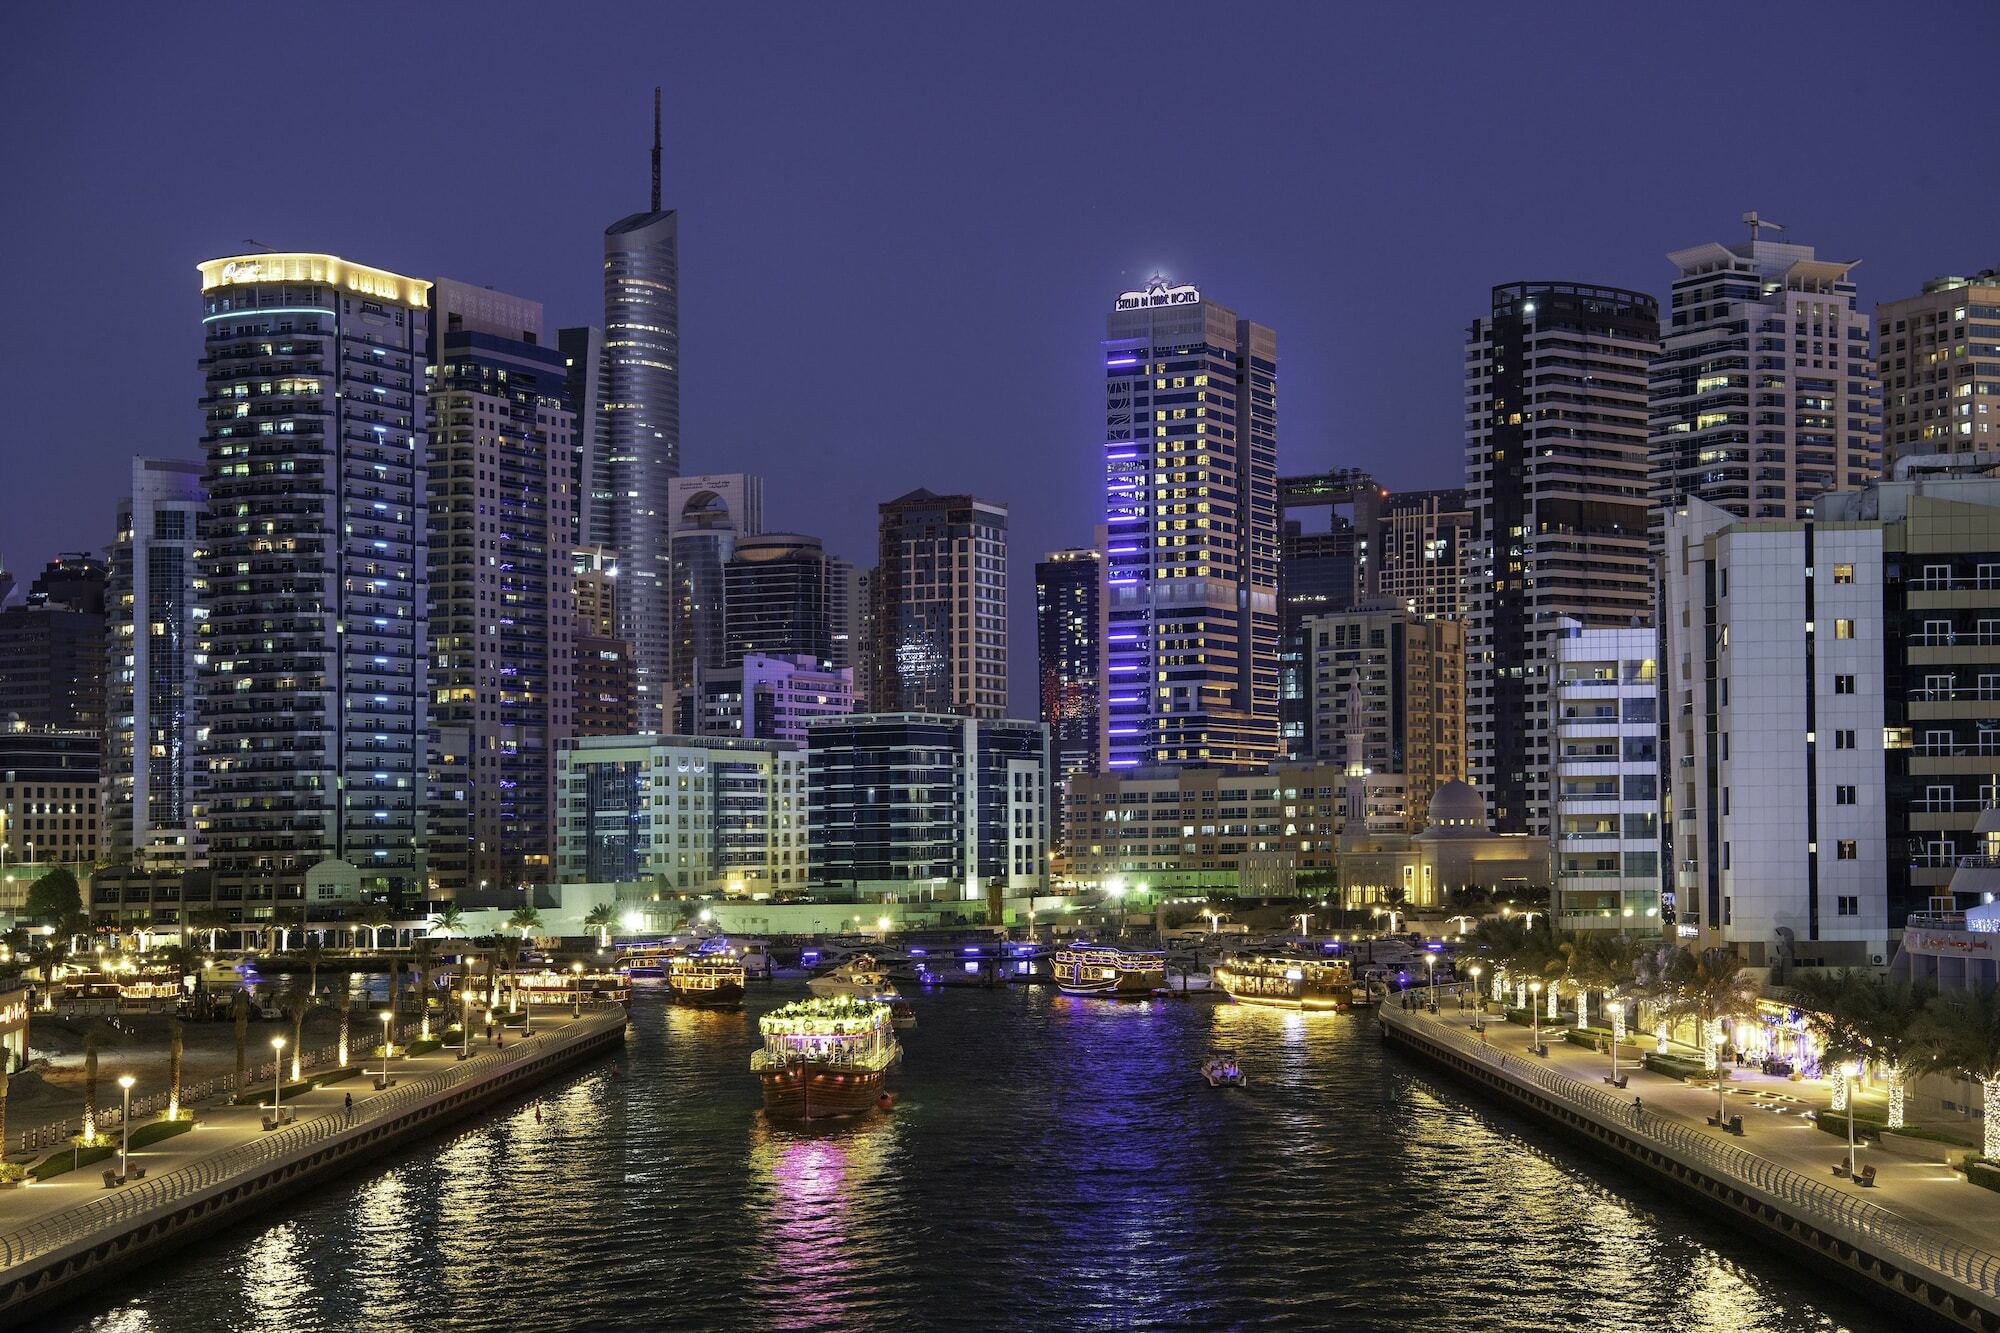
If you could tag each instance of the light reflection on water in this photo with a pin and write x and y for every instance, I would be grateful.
(1053, 1164)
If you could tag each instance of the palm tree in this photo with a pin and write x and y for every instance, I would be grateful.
(525, 920)
(315, 954)
(510, 949)
(374, 917)
(1829, 1003)
(343, 1003)
(601, 918)
(93, 1037)
(395, 993)
(239, 1010)
(1964, 1032)
(299, 1001)
(423, 961)
(1886, 1016)
(448, 920)
(1710, 986)
(174, 1069)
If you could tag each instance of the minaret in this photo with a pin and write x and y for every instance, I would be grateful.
(1356, 818)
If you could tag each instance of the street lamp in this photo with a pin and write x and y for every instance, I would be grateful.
(1848, 1070)
(1478, 1005)
(1431, 965)
(1616, 1010)
(1535, 1014)
(277, 1075)
(388, 1036)
(124, 1122)
(576, 1007)
(1721, 1074)
(1305, 923)
(465, 1017)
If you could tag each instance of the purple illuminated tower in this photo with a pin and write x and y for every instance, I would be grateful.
(1191, 514)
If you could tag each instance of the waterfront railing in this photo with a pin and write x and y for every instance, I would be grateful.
(105, 1213)
(1808, 1199)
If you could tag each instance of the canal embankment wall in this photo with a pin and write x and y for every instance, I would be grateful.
(1872, 1249)
(67, 1254)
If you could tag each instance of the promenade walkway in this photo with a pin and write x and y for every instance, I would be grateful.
(230, 1139)
(1926, 1193)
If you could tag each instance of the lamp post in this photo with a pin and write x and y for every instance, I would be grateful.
(1305, 923)
(465, 1017)
(1721, 1073)
(1616, 1010)
(388, 1036)
(1431, 966)
(124, 1122)
(1478, 1005)
(528, 1016)
(277, 1075)
(576, 1006)
(1848, 1070)
(1535, 1014)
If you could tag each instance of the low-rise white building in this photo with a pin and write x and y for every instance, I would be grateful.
(1606, 818)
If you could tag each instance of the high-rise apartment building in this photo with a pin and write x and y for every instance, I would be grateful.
(1764, 393)
(1394, 683)
(1069, 648)
(940, 603)
(503, 535)
(1326, 521)
(594, 570)
(49, 801)
(1418, 550)
(313, 552)
(639, 441)
(775, 598)
(764, 698)
(1555, 475)
(846, 620)
(52, 661)
(1938, 354)
(1606, 853)
(708, 515)
(1191, 509)
(154, 676)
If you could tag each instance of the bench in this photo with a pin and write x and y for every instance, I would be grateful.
(112, 1180)
(1840, 1170)
(1865, 1177)
(138, 1173)
(383, 1081)
(283, 1117)
(1619, 1082)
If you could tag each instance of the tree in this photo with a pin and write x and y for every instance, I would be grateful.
(510, 950)
(423, 962)
(1964, 1033)
(174, 1043)
(343, 1003)
(315, 954)
(373, 918)
(299, 1002)
(1707, 986)
(1828, 1002)
(93, 1037)
(448, 920)
(602, 918)
(1887, 1016)
(239, 1010)
(54, 897)
(395, 994)
(525, 920)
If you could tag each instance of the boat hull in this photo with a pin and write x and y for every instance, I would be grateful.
(1124, 986)
(819, 1092)
(1311, 1002)
(729, 995)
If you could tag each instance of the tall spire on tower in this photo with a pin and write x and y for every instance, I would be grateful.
(656, 148)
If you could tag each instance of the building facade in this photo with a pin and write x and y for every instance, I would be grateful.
(49, 800)
(684, 813)
(765, 698)
(775, 599)
(1191, 512)
(1398, 682)
(1938, 356)
(502, 491)
(151, 731)
(1418, 553)
(940, 605)
(709, 514)
(313, 553)
(1606, 854)
(1069, 648)
(1258, 834)
(1764, 393)
(52, 648)
(1555, 474)
(926, 806)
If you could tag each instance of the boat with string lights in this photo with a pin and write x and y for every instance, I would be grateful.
(1287, 981)
(710, 978)
(1107, 970)
(825, 1057)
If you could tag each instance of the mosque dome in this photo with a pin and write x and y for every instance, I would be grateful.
(1457, 806)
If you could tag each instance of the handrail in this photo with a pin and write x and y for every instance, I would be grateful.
(1975, 1268)
(88, 1219)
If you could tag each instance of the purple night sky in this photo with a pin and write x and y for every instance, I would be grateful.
(902, 225)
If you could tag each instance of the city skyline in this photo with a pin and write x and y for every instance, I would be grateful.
(1371, 347)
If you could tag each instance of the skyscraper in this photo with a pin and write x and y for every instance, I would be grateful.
(1939, 357)
(846, 596)
(1191, 510)
(1069, 645)
(940, 595)
(52, 648)
(154, 676)
(1418, 553)
(775, 598)
(1555, 473)
(1394, 683)
(1764, 392)
(313, 543)
(503, 532)
(641, 431)
(707, 516)
(1325, 522)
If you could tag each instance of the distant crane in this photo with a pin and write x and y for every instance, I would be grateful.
(1757, 222)
(267, 249)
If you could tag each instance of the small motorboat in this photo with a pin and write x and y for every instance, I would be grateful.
(1222, 1071)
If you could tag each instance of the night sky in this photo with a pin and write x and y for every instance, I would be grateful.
(902, 226)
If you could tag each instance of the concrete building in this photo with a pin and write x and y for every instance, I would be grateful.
(607, 693)
(1398, 681)
(1418, 553)
(1191, 508)
(1773, 642)
(1764, 394)
(1954, 943)
(764, 697)
(1326, 522)
(52, 648)
(940, 603)
(503, 536)
(1938, 355)
(49, 807)
(927, 806)
(710, 514)
(846, 616)
(313, 553)
(684, 814)
(1555, 473)
(1069, 649)
(1256, 834)
(775, 588)
(1607, 764)
(154, 678)
(1458, 849)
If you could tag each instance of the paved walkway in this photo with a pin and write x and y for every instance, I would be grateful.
(1927, 1193)
(221, 1126)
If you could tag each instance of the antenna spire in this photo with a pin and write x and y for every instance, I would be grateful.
(656, 148)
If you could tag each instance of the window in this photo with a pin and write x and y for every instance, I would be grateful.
(1843, 629)
(1843, 573)
(1843, 740)
(1849, 905)
(1843, 796)
(1846, 850)
(1843, 684)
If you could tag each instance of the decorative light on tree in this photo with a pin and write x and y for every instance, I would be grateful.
(1894, 1073)
(1617, 1008)
(1553, 1012)
(1711, 1047)
(1583, 1008)
(1989, 1089)
(1660, 1033)
(1839, 1092)
(1521, 994)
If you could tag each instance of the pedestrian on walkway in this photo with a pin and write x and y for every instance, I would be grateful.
(350, 1106)
(1635, 1110)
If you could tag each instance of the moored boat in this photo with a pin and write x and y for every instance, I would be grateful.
(1286, 981)
(861, 977)
(712, 979)
(824, 1057)
(1104, 969)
